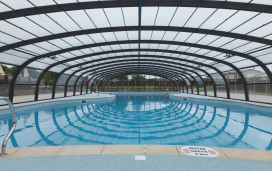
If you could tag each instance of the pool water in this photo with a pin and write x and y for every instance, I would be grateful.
(132, 118)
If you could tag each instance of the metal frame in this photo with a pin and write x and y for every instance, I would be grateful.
(134, 3)
(158, 61)
(139, 4)
(158, 65)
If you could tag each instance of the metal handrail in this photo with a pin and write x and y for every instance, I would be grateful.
(3, 151)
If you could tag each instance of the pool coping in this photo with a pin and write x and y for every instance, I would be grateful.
(94, 96)
(195, 96)
(75, 150)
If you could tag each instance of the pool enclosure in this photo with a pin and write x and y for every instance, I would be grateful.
(218, 48)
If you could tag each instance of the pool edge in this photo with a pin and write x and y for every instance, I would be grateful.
(194, 96)
(81, 97)
(75, 150)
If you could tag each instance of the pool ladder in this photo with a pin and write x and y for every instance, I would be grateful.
(3, 150)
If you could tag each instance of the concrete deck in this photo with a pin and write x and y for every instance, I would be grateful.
(227, 153)
(128, 162)
(94, 96)
(218, 99)
(122, 157)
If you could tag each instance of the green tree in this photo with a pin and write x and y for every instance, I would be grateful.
(49, 77)
(123, 78)
(138, 77)
(9, 71)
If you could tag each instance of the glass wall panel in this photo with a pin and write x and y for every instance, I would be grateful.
(210, 91)
(70, 90)
(28, 76)
(201, 90)
(62, 79)
(23, 93)
(221, 91)
(255, 75)
(260, 92)
(218, 79)
(6, 74)
(237, 91)
(45, 92)
(72, 80)
(59, 92)
(78, 90)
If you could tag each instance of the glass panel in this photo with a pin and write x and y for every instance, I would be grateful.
(237, 91)
(23, 93)
(28, 76)
(131, 16)
(200, 15)
(115, 17)
(149, 15)
(218, 79)
(164, 16)
(72, 80)
(255, 75)
(260, 92)
(182, 16)
(64, 20)
(59, 92)
(221, 91)
(70, 90)
(45, 92)
(81, 19)
(62, 79)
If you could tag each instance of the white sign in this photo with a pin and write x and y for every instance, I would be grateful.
(199, 151)
(140, 157)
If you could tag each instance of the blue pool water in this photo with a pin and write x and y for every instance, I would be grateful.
(142, 119)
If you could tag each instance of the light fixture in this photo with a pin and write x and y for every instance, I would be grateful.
(53, 57)
(228, 55)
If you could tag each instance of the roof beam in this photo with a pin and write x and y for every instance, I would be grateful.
(134, 28)
(134, 3)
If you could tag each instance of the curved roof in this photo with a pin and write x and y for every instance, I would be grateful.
(171, 38)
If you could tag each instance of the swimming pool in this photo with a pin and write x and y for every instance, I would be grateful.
(142, 118)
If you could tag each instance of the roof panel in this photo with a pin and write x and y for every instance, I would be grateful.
(149, 15)
(236, 20)
(47, 23)
(200, 15)
(182, 16)
(131, 16)
(217, 18)
(15, 4)
(164, 16)
(82, 19)
(255, 23)
(14, 31)
(64, 21)
(115, 17)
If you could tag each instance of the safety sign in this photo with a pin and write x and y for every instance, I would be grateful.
(199, 151)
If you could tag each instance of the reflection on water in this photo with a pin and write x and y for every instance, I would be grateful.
(139, 119)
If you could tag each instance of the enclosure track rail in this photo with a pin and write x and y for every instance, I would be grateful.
(3, 150)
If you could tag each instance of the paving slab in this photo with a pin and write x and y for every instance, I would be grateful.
(123, 149)
(81, 150)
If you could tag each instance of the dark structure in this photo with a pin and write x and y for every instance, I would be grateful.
(189, 42)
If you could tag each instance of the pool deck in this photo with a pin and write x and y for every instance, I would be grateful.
(218, 99)
(93, 96)
(227, 153)
(123, 157)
